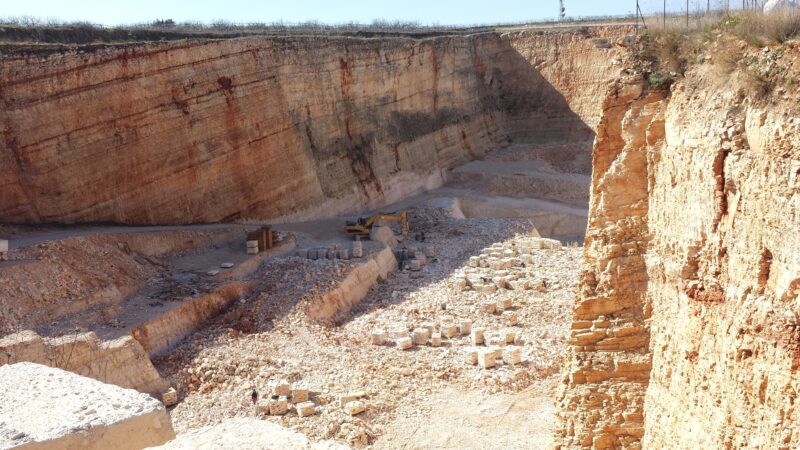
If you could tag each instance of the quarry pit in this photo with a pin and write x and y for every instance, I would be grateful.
(593, 260)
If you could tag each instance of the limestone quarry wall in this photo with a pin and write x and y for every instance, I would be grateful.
(724, 270)
(686, 326)
(278, 128)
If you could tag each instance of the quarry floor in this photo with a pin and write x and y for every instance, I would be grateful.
(421, 398)
(415, 398)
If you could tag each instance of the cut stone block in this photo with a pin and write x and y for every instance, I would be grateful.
(47, 408)
(299, 394)
(421, 336)
(344, 254)
(488, 288)
(509, 336)
(355, 407)
(252, 251)
(472, 357)
(170, 397)
(476, 336)
(430, 252)
(506, 303)
(404, 343)
(251, 244)
(282, 388)
(436, 339)
(449, 330)
(212, 272)
(306, 409)
(428, 326)
(465, 327)
(512, 356)
(226, 265)
(486, 358)
(3, 246)
(279, 406)
(379, 337)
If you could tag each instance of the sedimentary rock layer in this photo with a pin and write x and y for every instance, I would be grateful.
(686, 326)
(273, 128)
(609, 362)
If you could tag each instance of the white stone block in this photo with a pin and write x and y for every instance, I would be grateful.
(512, 356)
(226, 265)
(306, 409)
(299, 394)
(449, 330)
(477, 336)
(486, 358)
(3, 246)
(436, 339)
(472, 357)
(279, 406)
(379, 337)
(282, 388)
(465, 327)
(420, 336)
(404, 343)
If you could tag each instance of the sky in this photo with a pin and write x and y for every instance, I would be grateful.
(444, 12)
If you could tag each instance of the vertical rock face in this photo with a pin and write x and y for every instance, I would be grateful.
(724, 271)
(609, 362)
(692, 263)
(277, 129)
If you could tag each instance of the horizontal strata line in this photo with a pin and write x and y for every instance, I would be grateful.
(20, 104)
(170, 105)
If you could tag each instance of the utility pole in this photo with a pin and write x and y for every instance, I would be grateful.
(561, 10)
(687, 14)
(665, 14)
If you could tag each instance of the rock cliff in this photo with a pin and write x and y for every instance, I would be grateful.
(685, 330)
(281, 128)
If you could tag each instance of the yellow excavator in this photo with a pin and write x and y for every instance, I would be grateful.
(363, 225)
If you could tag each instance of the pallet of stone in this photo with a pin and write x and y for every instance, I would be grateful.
(252, 247)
